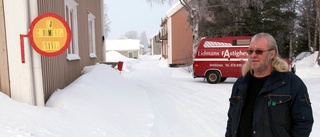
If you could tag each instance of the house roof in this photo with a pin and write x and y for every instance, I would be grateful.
(122, 44)
(155, 34)
(175, 8)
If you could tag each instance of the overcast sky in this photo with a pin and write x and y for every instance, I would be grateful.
(134, 15)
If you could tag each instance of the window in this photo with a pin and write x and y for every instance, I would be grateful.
(130, 54)
(72, 19)
(91, 31)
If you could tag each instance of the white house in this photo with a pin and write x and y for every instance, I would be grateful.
(130, 48)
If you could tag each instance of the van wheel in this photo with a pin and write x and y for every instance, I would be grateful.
(223, 79)
(213, 77)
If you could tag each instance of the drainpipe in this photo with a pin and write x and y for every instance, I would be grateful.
(36, 60)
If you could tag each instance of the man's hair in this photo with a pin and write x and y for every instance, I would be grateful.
(278, 64)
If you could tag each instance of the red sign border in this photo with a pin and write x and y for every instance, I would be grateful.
(66, 25)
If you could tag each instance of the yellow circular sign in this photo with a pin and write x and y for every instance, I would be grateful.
(50, 34)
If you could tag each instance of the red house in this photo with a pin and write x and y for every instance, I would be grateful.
(176, 35)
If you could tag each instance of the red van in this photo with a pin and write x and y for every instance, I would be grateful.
(219, 58)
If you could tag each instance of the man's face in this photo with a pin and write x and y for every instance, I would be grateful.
(260, 55)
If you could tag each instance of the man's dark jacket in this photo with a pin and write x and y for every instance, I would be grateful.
(282, 107)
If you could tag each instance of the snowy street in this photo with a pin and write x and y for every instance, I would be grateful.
(184, 107)
(147, 99)
(187, 107)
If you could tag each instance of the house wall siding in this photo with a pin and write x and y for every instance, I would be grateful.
(4, 70)
(164, 38)
(156, 45)
(125, 53)
(165, 49)
(58, 72)
(181, 37)
(157, 49)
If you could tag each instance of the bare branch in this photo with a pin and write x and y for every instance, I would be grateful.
(152, 2)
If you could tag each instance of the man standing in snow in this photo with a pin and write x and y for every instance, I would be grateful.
(268, 101)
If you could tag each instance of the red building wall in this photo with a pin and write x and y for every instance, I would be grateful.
(181, 36)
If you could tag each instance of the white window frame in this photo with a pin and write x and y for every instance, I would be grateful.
(72, 19)
(91, 34)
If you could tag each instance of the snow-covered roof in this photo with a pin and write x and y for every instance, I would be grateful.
(155, 34)
(122, 44)
(175, 8)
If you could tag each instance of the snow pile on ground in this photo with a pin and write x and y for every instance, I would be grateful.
(308, 68)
